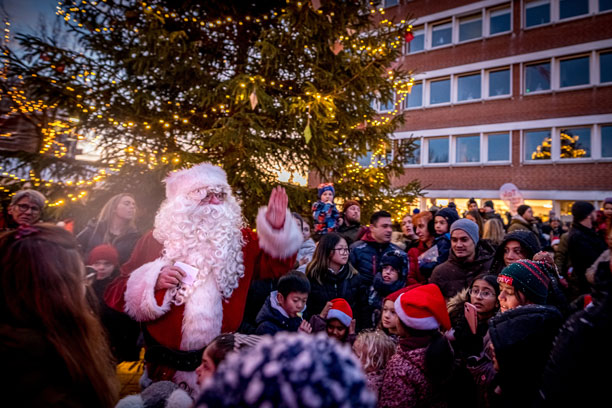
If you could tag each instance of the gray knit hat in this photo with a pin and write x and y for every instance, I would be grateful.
(469, 226)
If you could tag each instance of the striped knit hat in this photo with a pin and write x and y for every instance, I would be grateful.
(423, 308)
(528, 277)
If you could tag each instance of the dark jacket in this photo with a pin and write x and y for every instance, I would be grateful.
(349, 232)
(581, 352)
(91, 237)
(456, 274)
(584, 247)
(270, 320)
(36, 376)
(340, 285)
(523, 338)
(366, 255)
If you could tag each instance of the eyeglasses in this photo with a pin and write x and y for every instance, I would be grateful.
(341, 250)
(24, 208)
(485, 294)
(203, 194)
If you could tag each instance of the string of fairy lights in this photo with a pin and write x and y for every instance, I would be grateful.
(55, 129)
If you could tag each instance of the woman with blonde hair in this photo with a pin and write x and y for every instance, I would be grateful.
(53, 348)
(115, 225)
(494, 232)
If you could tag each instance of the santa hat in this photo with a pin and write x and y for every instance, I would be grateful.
(341, 310)
(423, 308)
(103, 252)
(393, 296)
(325, 187)
(202, 175)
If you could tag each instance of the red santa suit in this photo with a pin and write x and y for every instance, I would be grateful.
(176, 334)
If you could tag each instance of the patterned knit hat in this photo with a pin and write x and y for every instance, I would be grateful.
(528, 277)
(396, 259)
(290, 370)
(423, 308)
(325, 187)
(103, 252)
(341, 310)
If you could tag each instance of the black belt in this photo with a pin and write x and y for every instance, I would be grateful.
(179, 360)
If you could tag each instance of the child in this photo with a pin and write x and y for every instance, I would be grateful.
(390, 278)
(122, 331)
(406, 383)
(213, 355)
(283, 308)
(374, 349)
(337, 320)
(442, 223)
(521, 283)
(324, 211)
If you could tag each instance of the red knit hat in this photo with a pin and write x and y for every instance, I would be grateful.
(393, 296)
(103, 252)
(423, 308)
(341, 310)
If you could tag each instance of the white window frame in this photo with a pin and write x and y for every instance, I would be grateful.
(588, 13)
(486, 28)
(596, 73)
(450, 96)
(445, 23)
(420, 30)
(557, 82)
(597, 143)
(454, 151)
(385, 5)
(485, 85)
(420, 155)
(535, 3)
(485, 148)
(524, 76)
(557, 136)
(455, 88)
(554, 145)
(470, 17)
(426, 155)
(555, 12)
(422, 105)
(378, 105)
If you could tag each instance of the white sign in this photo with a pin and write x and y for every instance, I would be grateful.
(512, 196)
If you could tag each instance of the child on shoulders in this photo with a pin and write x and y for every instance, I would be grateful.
(324, 211)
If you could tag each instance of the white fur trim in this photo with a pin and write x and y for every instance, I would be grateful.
(337, 314)
(202, 316)
(281, 243)
(202, 175)
(140, 302)
(179, 399)
(424, 323)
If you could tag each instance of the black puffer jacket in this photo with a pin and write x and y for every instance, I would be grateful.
(522, 338)
(584, 247)
(271, 321)
(456, 274)
(340, 285)
(366, 255)
(581, 352)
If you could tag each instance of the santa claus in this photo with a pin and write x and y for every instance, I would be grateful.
(187, 280)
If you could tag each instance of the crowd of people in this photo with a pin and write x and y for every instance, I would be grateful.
(443, 310)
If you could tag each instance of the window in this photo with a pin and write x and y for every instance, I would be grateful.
(572, 8)
(605, 5)
(415, 97)
(415, 157)
(441, 34)
(606, 141)
(537, 145)
(537, 77)
(498, 147)
(537, 13)
(605, 67)
(439, 91)
(575, 143)
(468, 149)
(499, 82)
(470, 27)
(499, 20)
(418, 42)
(390, 3)
(468, 87)
(438, 150)
(574, 72)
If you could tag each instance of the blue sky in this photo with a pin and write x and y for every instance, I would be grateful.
(24, 15)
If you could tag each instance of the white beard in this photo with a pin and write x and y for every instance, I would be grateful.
(208, 237)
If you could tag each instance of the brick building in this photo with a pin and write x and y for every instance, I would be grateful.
(509, 92)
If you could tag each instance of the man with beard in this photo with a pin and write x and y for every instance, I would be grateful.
(187, 280)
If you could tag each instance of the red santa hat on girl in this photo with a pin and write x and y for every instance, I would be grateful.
(201, 175)
(423, 308)
(341, 310)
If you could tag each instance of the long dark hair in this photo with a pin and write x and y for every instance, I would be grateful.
(319, 266)
(42, 287)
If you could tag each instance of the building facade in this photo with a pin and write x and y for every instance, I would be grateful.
(509, 92)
